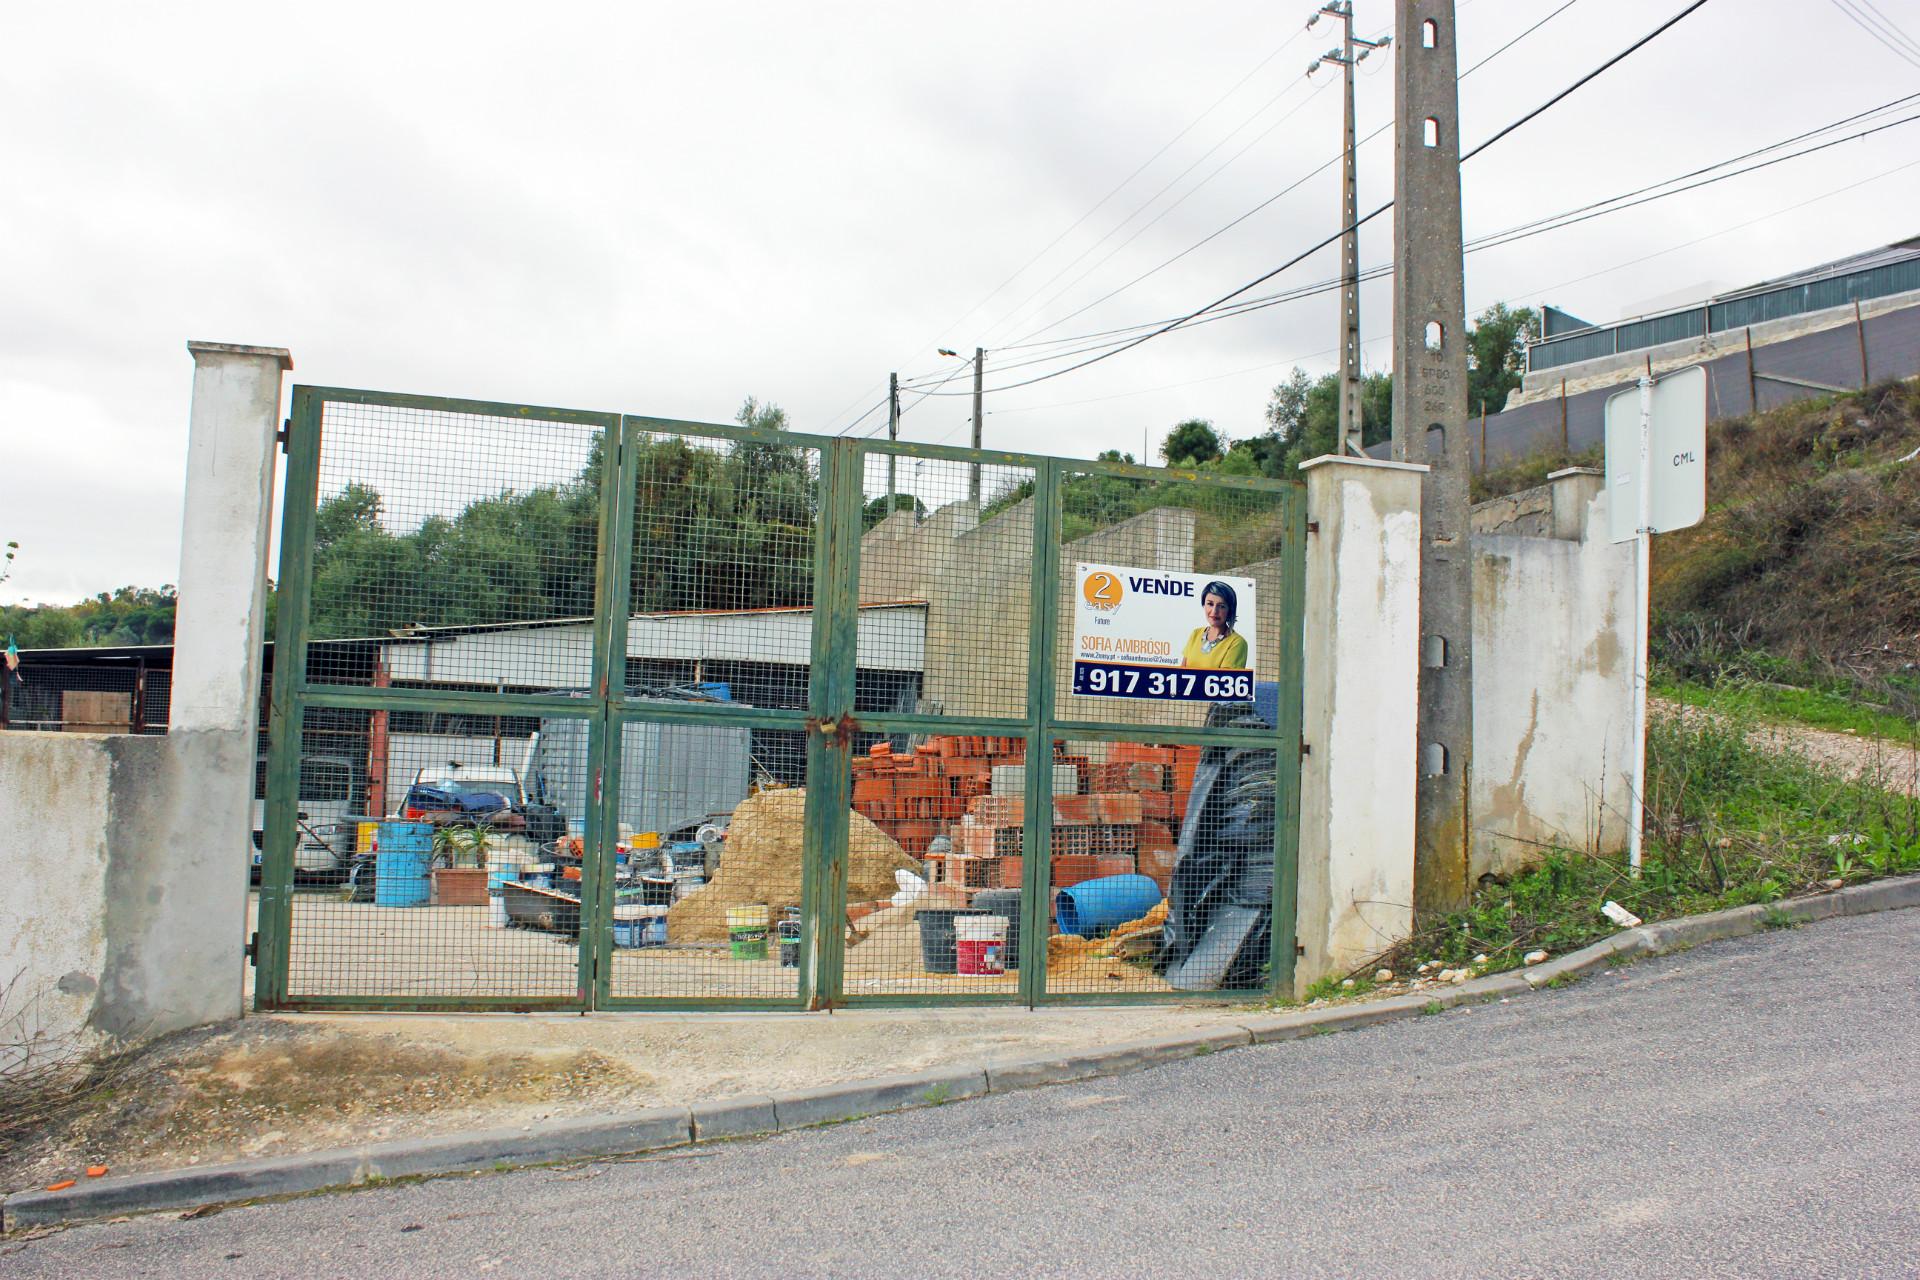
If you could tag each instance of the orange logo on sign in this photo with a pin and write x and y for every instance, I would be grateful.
(1103, 590)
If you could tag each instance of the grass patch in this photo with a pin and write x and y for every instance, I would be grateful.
(1818, 708)
(1334, 986)
(1730, 823)
(1778, 918)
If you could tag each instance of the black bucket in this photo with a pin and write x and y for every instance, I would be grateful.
(936, 937)
(1004, 902)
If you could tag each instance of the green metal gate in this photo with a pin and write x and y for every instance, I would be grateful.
(562, 652)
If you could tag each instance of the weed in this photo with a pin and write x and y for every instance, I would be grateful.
(1432, 1007)
(1729, 822)
(1560, 980)
(1778, 918)
(1202, 1050)
(935, 1095)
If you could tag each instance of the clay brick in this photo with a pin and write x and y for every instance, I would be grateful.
(866, 789)
(1109, 864)
(880, 749)
(998, 811)
(1158, 864)
(1157, 806)
(1117, 807)
(1073, 809)
(917, 788)
(1157, 835)
(1071, 869)
(1073, 842)
(1012, 871)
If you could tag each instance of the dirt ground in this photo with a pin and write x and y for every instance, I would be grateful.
(282, 1084)
(1894, 766)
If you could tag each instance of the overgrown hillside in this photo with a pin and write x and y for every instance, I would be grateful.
(1806, 571)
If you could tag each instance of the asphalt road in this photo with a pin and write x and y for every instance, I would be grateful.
(1746, 1109)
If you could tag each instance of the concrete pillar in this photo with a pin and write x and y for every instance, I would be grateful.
(1574, 489)
(1430, 426)
(1362, 641)
(180, 965)
(224, 534)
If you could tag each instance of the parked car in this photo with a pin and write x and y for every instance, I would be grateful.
(329, 794)
(469, 795)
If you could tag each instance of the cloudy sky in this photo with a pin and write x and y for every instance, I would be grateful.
(665, 208)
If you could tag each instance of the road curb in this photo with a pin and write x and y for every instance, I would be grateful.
(662, 1128)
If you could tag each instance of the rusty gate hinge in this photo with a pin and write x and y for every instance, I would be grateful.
(1306, 748)
(252, 950)
(283, 434)
(1313, 526)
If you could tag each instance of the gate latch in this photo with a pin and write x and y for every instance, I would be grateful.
(839, 731)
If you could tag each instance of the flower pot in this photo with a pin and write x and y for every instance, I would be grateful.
(459, 887)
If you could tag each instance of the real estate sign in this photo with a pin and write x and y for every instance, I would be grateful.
(1150, 633)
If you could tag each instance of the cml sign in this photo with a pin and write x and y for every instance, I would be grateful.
(1676, 455)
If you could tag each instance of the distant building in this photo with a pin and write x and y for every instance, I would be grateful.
(1581, 355)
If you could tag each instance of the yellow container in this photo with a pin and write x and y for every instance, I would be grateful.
(363, 836)
(647, 840)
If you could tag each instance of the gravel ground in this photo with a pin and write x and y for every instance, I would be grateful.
(1742, 1109)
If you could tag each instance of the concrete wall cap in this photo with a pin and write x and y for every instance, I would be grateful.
(1576, 471)
(1327, 459)
(281, 354)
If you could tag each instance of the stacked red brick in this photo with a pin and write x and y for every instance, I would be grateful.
(1119, 816)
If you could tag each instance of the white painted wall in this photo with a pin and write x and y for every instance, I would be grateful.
(1553, 621)
(1362, 683)
(53, 845)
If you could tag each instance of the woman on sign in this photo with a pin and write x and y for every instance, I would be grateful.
(1217, 645)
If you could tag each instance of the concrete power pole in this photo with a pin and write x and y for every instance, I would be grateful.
(1346, 58)
(1430, 426)
(979, 374)
(893, 437)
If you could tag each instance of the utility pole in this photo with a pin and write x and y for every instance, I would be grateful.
(979, 374)
(893, 437)
(1430, 426)
(1346, 58)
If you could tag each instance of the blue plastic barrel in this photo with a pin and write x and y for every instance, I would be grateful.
(1091, 906)
(400, 868)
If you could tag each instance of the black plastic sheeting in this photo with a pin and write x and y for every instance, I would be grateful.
(1219, 925)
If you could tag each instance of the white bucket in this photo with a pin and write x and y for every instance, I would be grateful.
(979, 928)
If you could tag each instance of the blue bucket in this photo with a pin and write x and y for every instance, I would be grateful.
(1093, 906)
(649, 930)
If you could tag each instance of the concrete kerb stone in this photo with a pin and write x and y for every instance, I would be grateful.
(1881, 895)
(1577, 963)
(752, 1115)
(742, 1117)
(850, 1101)
(183, 1189)
(550, 1143)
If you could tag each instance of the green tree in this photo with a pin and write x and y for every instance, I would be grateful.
(1497, 355)
(1303, 418)
(1191, 444)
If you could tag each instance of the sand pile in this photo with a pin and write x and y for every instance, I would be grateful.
(763, 864)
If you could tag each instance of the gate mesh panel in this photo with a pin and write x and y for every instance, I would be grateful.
(465, 887)
(912, 797)
(708, 870)
(1161, 877)
(964, 578)
(1172, 525)
(433, 519)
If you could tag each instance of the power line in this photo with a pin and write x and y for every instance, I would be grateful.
(1257, 281)
(1891, 41)
(1528, 292)
(1287, 190)
(1097, 205)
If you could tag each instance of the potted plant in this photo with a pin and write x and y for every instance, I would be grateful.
(460, 865)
